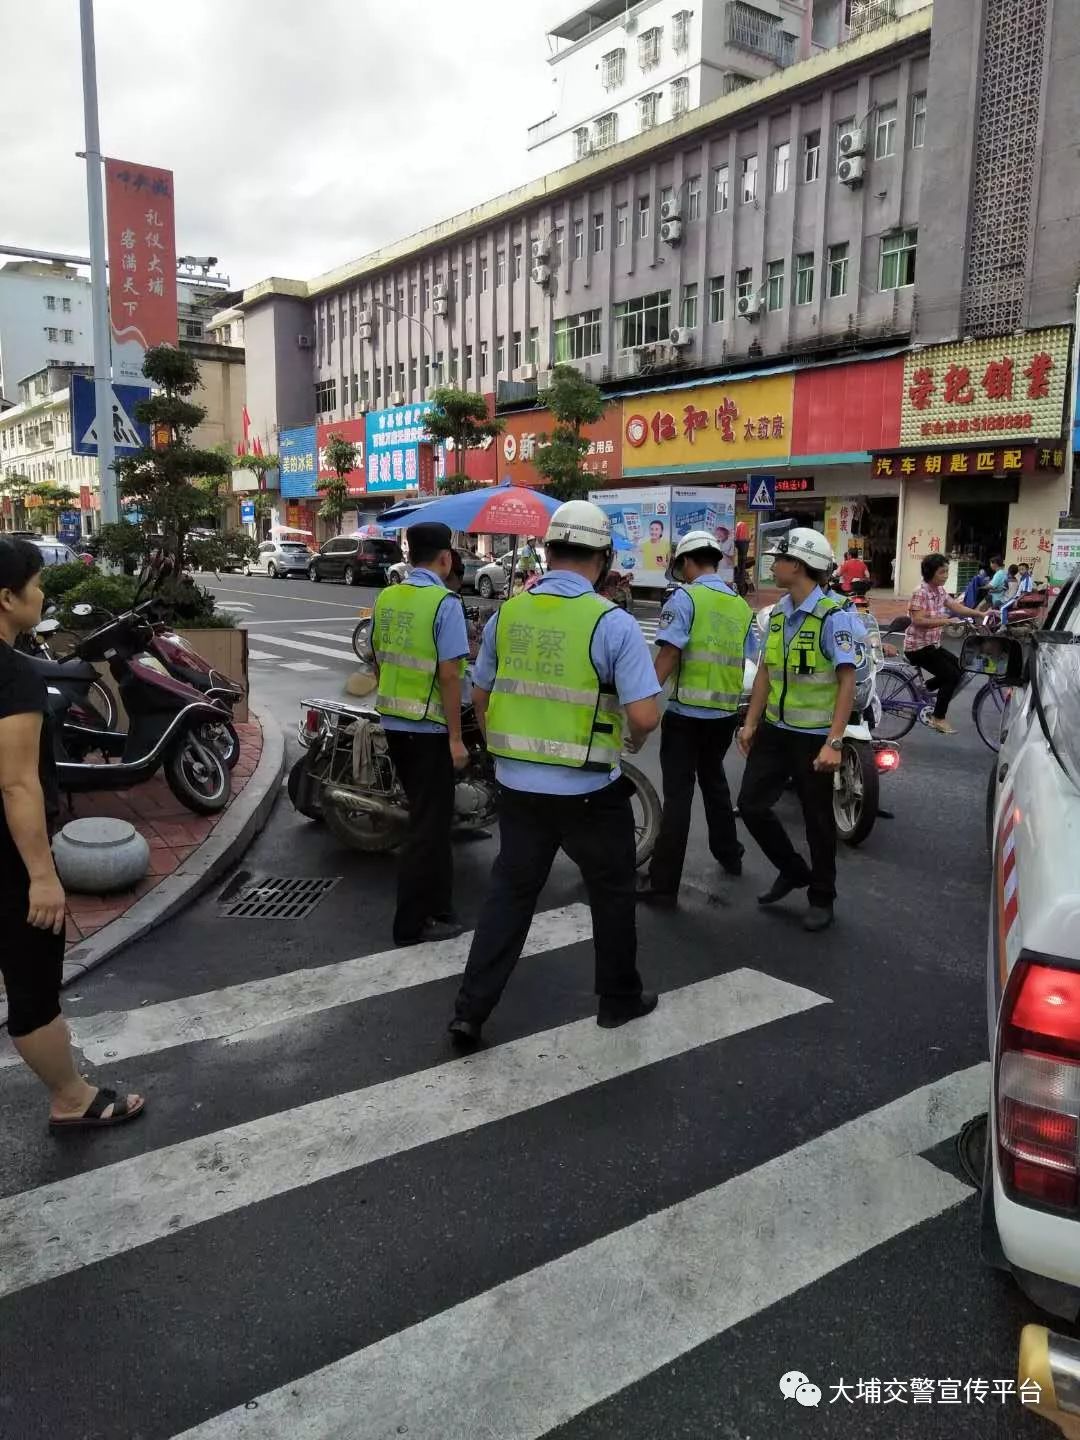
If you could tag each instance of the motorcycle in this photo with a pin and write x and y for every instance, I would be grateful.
(346, 777)
(99, 708)
(184, 662)
(616, 588)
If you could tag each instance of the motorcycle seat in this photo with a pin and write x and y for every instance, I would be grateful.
(63, 669)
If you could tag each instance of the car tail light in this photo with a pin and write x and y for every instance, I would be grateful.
(1038, 1085)
(886, 758)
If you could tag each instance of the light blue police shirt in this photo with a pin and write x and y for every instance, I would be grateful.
(621, 658)
(451, 643)
(674, 629)
(843, 639)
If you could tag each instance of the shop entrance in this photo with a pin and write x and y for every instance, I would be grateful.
(878, 525)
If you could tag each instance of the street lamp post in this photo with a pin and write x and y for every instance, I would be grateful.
(413, 320)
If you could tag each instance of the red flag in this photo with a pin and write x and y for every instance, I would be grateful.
(256, 446)
(239, 448)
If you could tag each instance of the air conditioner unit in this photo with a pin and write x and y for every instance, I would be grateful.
(851, 172)
(680, 337)
(853, 142)
(525, 372)
(541, 274)
(363, 332)
(304, 342)
(671, 210)
(540, 250)
(671, 232)
(440, 305)
(439, 292)
(543, 379)
(397, 397)
(364, 318)
(748, 306)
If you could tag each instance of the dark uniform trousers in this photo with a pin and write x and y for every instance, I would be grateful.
(597, 832)
(775, 756)
(693, 750)
(425, 886)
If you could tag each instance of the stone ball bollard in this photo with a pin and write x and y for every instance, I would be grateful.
(99, 855)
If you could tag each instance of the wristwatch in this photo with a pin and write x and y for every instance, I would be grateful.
(835, 744)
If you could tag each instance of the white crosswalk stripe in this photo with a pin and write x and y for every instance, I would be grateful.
(306, 647)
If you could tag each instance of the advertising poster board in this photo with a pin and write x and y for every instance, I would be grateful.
(706, 507)
(1064, 558)
(641, 527)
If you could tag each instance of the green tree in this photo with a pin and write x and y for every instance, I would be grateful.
(460, 422)
(176, 485)
(341, 456)
(573, 402)
(37, 503)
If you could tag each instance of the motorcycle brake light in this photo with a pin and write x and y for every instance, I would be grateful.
(887, 759)
(313, 722)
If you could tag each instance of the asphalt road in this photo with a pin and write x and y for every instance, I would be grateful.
(327, 1224)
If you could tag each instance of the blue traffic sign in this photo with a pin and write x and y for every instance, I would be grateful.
(129, 434)
(761, 492)
(69, 526)
(247, 512)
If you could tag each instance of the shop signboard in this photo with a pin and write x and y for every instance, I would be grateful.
(782, 485)
(524, 430)
(296, 457)
(247, 512)
(1013, 387)
(839, 520)
(393, 440)
(738, 425)
(354, 432)
(1064, 557)
(139, 203)
(936, 464)
(69, 526)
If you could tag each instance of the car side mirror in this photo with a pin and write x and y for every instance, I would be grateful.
(1000, 657)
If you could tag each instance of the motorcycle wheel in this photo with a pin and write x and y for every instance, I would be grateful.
(361, 641)
(196, 773)
(647, 812)
(359, 831)
(855, 793)
(304, 797)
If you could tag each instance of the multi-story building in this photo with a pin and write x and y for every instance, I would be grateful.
(908, 187)
(45, 319)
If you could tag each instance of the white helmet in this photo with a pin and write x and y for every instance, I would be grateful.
(807, 545)
(695, 541)
(579, 522)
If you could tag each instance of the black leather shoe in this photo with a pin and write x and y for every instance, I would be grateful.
(442, 930)
(612, 1013)
(662, 899)
(465, 1033)
(818, 917)
(732, 864)
(781, 886)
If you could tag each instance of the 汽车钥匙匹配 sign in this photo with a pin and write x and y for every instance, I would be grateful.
(940, 464)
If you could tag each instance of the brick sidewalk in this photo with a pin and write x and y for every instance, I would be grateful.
(171, 830)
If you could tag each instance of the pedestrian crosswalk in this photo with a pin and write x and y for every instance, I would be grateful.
(513, 1354)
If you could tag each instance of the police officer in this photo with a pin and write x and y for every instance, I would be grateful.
(705, 633)
(805, 688)
(420, 642)
(558, 668)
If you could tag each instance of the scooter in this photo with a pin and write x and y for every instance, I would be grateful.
(185, 663)
(99, 708)
(170, 723)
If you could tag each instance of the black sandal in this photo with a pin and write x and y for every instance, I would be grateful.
(92, 1117)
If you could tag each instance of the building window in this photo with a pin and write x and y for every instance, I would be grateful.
(744, 285)
(804, 279)
(365, 386)
(838, 261)
(643, 217)
(50, 302)
(597, 234)
(52, 334)
(716, 299)
(325, 397)
(898, 259)
(648, 47)
(352, 318)
(720, 189)
(613, 69)
(643, 321)
(557, 244)
(399, 299)
(577, 336)
(534, 346)
(427, 293)
(843, 127)
(68, 337)
(516, 350)
(781, 170)
(748, 187)
(330, 326)
(693, 198)
(582, 142)
(65, 303)
(811, 156)
(500, 267)
(517, 261)
(885, 132)
(689, 306)
(400, 385)
(647, 110)
(412, 377)
(918, 120)
(667, 195)
(579, 239)
(452, 379)
(605, 130)
(622, 224)
(680, 31)
(468, 363)
(483, 359)
(680, 96)
(500, 354)
(774, 285)
(468, 279)
(483, 274)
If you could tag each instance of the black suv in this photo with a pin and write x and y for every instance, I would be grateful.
(354, 559)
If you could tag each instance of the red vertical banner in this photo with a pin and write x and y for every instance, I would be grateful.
(426, 469)
(142, 263)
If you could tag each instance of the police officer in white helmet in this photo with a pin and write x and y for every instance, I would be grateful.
(706, 632)
(800, 706)
(563, 681)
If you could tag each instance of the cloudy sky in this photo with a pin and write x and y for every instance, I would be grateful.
(302, 133)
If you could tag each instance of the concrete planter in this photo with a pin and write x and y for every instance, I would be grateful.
(99, 855)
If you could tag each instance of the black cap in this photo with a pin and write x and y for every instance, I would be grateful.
(427, 539)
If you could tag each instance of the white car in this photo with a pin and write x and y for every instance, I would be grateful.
(492, 579)
(1030, 1220)
(279, 559)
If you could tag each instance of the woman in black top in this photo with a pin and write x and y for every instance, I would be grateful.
(31, 896)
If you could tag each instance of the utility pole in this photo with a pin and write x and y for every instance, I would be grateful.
(110, 504)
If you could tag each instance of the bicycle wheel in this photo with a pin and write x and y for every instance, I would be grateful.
(900, 702)
(988, 711)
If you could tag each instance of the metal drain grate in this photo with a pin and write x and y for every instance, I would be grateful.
(274, 897)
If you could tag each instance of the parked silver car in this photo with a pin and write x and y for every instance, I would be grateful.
(279, 559)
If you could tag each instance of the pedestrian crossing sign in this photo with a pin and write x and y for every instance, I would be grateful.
(761, 490)
(129, 434)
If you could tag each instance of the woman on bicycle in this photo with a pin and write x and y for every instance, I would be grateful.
(931, 609)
